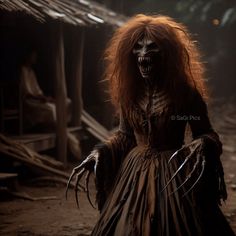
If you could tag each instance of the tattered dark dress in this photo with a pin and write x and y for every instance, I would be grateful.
(133, 172)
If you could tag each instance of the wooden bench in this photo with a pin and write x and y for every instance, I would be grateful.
(41, 141)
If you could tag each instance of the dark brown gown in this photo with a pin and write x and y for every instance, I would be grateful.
(133, 171)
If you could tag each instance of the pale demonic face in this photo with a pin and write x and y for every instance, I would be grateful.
(146, 52)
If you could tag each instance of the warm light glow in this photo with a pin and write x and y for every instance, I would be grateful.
(215, 22)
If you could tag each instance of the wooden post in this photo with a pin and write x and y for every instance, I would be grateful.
(76, 78)
(60, 91)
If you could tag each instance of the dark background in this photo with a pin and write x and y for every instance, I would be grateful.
(213, 25)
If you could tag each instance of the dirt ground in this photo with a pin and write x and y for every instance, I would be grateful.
(62, 218)
(58, 217)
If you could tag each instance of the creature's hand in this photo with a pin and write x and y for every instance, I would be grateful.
(85, 168)
(89, 162)
(197, 151)
(189, 152)
(212, 149)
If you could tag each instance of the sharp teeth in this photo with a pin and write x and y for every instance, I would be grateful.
(145, 59)
(148, 59)
(146, 69)
(140, 59)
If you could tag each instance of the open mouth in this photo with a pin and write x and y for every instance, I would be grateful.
(146, 69)
(145, 65)
(144, 60)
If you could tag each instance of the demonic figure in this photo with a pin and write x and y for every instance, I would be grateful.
(148, 181)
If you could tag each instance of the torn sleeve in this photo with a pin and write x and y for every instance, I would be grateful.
(111, 155)
(212, 147)
(200, 124)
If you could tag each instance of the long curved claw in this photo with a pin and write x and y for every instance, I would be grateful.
(176, 172)
(199, 177)
(174, 154)
(85, 167)
(87, 188)
(87, 180)
(74, 172)
(188, 176)
(192, 151)
(78, 177)
(192, 147)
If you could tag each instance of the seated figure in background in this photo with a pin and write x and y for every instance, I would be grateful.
(39, 110)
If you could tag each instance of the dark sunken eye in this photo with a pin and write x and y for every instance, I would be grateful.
(152, 46)
(137, 46)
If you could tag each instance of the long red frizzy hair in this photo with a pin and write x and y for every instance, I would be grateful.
(180, 66)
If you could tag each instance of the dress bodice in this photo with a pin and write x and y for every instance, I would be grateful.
(155, 123)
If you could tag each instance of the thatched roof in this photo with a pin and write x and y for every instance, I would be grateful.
(75, 12)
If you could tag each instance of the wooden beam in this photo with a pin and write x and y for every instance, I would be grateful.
(60, 91)
(94, 125)
(76, 78)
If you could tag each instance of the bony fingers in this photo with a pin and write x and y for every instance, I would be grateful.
(74, 172)
(89, 162)
(87, 188)
(87, 180)
(78, 177)
(91, 156)
(203, 163)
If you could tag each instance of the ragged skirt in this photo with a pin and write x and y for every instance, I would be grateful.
(145, 202)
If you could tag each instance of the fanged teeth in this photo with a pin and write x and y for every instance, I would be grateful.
(146, 69)
(142, 59)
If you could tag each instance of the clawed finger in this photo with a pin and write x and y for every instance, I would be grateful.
(74, 172)
(87, 188)
(196, 144)
(188, 176)
(193, 149)
(174, 155)
(85, 168)
(78, 177)
(199, 177)
(177, 171)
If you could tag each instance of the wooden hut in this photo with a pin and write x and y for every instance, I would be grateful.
(58, 29)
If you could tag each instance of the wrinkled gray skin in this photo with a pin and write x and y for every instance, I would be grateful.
(146, 52)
